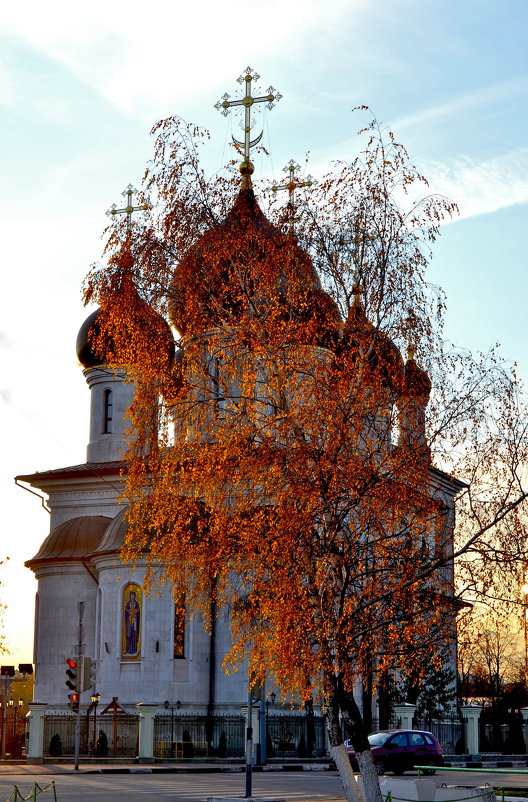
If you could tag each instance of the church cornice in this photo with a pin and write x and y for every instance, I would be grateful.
(94, 469)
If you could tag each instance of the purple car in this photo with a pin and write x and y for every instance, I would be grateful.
(401, 750)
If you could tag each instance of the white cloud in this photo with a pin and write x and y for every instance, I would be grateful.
(486, 96)
(148, 54)
(480, 188)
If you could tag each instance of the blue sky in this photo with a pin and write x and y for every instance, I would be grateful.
(80, 88)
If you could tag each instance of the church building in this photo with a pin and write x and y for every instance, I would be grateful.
(160, 691)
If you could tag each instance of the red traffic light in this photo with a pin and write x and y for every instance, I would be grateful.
(71, 672)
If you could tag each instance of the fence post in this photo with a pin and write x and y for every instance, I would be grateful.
(147, 711)
(471, 716)
(405, 713)
(35, 720)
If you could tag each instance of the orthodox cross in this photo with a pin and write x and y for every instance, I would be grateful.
(224, 105)
(292, 184)
(128, 209)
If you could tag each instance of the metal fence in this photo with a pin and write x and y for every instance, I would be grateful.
(502, 735)
(185, 736)
(14, 731)
(105, 736)
(295, 736)
(448, 730)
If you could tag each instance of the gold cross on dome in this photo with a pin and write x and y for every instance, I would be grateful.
(224, 105)
(292, 184)
(128, 209)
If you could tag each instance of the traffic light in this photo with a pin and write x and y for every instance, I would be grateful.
(88, 673)
(74, 701)
(71, 673)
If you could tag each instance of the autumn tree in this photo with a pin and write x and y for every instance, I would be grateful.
(286, 460)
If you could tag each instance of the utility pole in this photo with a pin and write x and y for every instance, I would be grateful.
(80, 649)
(249, 743)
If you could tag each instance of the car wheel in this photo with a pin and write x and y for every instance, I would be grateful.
(428, 772)
(380, 767)
(398, 772)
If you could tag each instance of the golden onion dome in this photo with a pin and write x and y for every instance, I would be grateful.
(416, 382)
(246, 267)
(361, 340)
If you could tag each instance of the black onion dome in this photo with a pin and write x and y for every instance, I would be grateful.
(384, 362)
(84, 346)
(71, 541)
(91, 350)
(245, 264)
(416, 382)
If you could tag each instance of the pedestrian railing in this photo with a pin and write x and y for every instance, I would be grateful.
(17, 796)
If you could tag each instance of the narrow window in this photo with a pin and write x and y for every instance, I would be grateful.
(179, 628)
(107, 416)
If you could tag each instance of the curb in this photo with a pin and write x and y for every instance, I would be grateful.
(207, 769)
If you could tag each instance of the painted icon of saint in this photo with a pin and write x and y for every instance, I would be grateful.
(132, 613)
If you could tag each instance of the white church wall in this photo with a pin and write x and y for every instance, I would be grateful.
(61, 587)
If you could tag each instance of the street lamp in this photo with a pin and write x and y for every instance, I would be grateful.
(167, 705)
(10, 705)
(269, 742)
(94, 699)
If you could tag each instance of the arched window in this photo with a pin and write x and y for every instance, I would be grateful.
(107, 412)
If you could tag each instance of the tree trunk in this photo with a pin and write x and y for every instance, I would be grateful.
(358, 734)
(338, 752)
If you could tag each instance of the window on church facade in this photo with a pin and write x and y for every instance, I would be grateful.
(107, 413)
(179, 628)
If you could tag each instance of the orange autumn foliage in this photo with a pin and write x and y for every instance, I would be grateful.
(284, 459)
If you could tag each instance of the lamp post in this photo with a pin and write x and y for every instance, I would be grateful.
(310, 730)
(20, 705)
(270, 701)
(167, 705)
(94, 699)
(10, 706)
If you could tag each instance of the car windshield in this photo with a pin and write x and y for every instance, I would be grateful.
(379, 738)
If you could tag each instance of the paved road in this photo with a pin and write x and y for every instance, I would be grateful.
(143, 787)
(315, 786)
